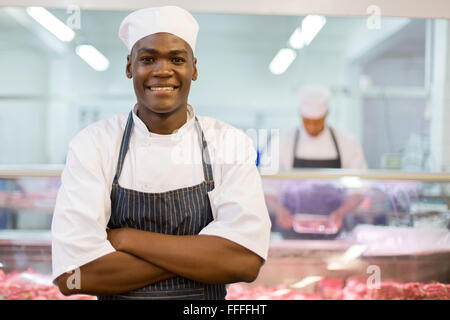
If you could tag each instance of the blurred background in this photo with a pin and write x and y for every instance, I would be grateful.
(62, 67)
(388, 77)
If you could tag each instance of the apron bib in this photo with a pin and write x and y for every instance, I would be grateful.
(307, 163)
(184, 211)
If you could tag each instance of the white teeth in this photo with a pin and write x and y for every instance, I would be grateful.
(161, 88)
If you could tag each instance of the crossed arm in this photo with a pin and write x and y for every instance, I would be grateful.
(143, 258)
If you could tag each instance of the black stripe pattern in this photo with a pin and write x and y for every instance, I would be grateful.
(184, 211)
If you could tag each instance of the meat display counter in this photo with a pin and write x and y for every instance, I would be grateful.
(27, 199)
(393, 241)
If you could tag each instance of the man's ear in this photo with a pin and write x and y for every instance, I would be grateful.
(128, 68)
(195, 74)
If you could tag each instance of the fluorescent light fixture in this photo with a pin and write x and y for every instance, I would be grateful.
(280, 292)
(348, 258)
(311, 25)
(341, 265)
(92, 57)
(282, 61)
(1, 265)
(353, 252)
(51, 23)
(351, 182)
(306, 282)
(335, 266)
(296, 40)
(33, 278)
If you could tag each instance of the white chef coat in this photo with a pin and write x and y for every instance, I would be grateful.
(155, 163)
(320, 147)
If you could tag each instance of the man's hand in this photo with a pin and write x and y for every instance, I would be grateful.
(336, 219)
(284, 218)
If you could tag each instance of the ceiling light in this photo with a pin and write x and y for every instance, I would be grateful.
(281, 292)
(51, 23)
(311, 25)
(296, 40)
(353, 252)
(348, 259)
(282, 61)
(93, 57)
(351, 182)
(306, 282)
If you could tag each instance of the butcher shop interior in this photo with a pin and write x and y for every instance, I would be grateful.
(374, 227)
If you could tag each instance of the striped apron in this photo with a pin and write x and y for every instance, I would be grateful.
(184, 211)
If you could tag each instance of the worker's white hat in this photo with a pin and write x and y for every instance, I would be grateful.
(313, 101)
(170, 19)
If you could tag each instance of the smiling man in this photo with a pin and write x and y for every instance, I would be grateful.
(141, 214)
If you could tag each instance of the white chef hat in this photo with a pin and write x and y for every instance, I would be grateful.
(170, 19)
(313, 101)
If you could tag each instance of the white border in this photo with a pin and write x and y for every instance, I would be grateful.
(389, 8)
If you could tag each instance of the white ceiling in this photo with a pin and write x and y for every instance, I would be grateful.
(262, 34)
(253, 33)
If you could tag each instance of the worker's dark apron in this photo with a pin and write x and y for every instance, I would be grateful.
(184, 211)
(313, 198)
(307, 163)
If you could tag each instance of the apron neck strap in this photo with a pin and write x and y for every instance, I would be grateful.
(124, 146)
(206, 160)
(297, 137)
(335, 144)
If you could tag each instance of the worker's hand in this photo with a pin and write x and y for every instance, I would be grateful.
(117, 237)
(284, 218)
(336, 219)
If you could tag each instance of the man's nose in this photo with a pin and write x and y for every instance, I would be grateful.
(162, 68)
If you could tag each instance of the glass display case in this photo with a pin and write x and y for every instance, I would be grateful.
(27, 199)
(392, 240)
(336, 234)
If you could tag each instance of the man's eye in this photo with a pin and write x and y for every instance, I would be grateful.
(147, 59)
(178, 60)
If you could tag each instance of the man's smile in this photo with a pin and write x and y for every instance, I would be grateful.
(162, 89)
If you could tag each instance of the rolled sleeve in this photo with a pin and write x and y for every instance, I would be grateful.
(82, 209)
(239, 210)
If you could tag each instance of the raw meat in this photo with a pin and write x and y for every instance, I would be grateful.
(330, 288)
(30, 285)
(238, 291)
(413, 291)
(309, 223)
(354, 289)
(436, 291)
(387, 291)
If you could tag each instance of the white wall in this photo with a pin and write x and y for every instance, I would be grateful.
(440, 97)
(23, 86)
